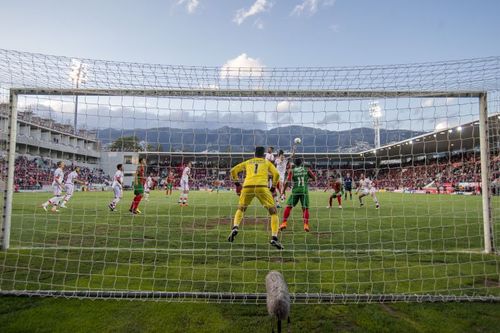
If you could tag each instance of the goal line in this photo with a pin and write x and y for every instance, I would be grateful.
(249, 298)
(180, 250)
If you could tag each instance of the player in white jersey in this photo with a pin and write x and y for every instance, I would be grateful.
(186, 176)
(69, 185)
(58, 186)
(117, 187)
(147, 187)
(282, 164)
(271, 158)
(270, 154)
(366, 187)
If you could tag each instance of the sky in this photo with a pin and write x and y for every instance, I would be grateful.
(278, 33)
(257, 34)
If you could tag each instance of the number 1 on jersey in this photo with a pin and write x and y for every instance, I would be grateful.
(256, 168)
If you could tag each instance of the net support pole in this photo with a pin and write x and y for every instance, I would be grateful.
(9, 187)
(75, 121)
(485, 173)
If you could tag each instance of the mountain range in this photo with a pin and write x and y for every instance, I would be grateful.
(229, 139)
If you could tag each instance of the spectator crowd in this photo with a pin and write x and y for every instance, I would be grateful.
(34, 173)
(415, 174)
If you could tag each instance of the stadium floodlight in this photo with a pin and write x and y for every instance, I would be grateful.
(77, 76)
(376, 113)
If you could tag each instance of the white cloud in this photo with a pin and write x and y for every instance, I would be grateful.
(451, 101)
(63, 105)
(329, 119)
(310, 6)
(259, 6)
(442, 125)
(242, 66)
(191, 5)
(427, 103)
(209, 86)
(287, 106)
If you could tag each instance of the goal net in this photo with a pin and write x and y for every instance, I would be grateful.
(401, 203)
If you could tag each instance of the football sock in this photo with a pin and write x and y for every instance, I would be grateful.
(238, 217)
(305, 215)
(274, 224)
(286, 214)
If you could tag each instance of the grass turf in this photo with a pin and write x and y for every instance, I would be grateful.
(73, 315)
(415, 244)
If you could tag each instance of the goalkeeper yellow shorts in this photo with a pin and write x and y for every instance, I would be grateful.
(262, 194)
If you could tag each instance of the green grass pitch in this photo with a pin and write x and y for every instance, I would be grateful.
(414, 244)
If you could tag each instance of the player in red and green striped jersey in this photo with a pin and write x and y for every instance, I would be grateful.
(139, 181)
(299, 176)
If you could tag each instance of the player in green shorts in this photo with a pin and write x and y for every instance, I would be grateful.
(299, 176)
(139, 181)
(170, 183)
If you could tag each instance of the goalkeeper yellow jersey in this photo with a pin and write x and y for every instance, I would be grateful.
(257, 172)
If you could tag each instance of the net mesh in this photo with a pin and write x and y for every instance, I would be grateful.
(411, 129)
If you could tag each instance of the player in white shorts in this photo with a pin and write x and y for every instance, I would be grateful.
(271, 158)
(69, 185)
(58, 186)
(366, 187)
(147, 187)
(186, 176)
(281, 164)
(117, 187)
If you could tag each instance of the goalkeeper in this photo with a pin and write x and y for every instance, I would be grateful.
(257, 170)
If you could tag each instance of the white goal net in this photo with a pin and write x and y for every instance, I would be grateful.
(400, 200)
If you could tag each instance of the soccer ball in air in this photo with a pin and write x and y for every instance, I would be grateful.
(297, 141)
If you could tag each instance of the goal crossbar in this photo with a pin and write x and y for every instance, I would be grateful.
(255, 93)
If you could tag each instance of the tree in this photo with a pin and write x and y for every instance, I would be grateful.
(126, 143)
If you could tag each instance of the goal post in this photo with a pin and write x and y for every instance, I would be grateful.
(9, 187)
(485, 174)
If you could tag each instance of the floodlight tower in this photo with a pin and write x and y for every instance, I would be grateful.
(77, 76)
(376, 113)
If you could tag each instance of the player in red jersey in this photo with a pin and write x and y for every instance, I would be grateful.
(139, 181)
(338, 191)
(169, 183)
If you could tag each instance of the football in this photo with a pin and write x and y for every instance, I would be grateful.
(297, 141)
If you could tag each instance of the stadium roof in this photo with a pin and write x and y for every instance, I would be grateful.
(462, 137)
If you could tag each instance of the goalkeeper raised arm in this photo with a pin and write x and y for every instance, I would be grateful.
(257, 171)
